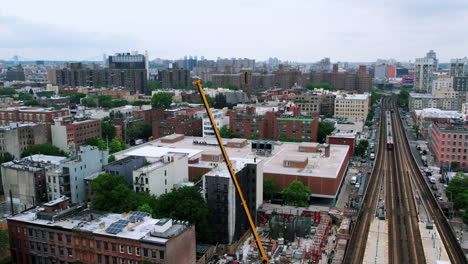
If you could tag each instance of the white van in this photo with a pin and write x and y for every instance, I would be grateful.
(432, 180)
(353, 180)
(372, 156)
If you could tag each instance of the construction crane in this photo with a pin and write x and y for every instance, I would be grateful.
(261, 250)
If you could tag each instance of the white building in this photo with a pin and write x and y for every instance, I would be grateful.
(353, 107)
(220, 118)
(163, 175)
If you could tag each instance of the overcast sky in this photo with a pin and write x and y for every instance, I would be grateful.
(298, 30)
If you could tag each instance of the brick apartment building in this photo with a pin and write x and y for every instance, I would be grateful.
(61, 232)
(33, 115)
(361, 81)
(449, 142)
(70, 135)
(273, 125)
(174, 78)
(17, 137)
(177, 121)
(425, 117)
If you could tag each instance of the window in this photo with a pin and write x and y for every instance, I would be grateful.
(68, 238)
(122, 261)
(70, 252)
(161, 254)
(114, 260)
(99, 258)
(59, 237)
(52, 249)
(114, 247)
(51, 235)
(44, 246)
(61, 251)
(106, 246)
(129, 250)
(122, 249)
(145, 252)
(130, 261)
(98, 244)
(30, 231)
(153, 253)
(137, 251)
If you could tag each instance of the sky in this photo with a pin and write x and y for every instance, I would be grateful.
(294, 30)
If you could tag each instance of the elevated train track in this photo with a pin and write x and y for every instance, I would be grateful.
(396, 172)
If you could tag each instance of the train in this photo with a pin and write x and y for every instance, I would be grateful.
(389, 130)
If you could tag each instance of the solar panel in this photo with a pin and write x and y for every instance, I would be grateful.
(117, 227)
(137, 216)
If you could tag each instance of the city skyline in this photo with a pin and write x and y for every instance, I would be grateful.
(295, 31)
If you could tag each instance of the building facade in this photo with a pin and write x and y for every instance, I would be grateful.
(17, 137)
(68, 177)
(353, 107)
(162, 176)
(174, 78)
(449, 142)
(228, 218)
(125, 167)
(60, 232)
(423, 69)
(70, 135)
(26, 178)
(177, 122)
(221, 118)
(458, 67)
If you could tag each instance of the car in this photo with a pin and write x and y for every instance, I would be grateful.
(432, 180)
(353, 180)
(437, 194)
(440, 199)
(357, 185)
(434, 187)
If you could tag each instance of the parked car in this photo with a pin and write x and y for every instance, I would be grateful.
(434, 187)
(432, 180)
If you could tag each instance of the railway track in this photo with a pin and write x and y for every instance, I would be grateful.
(396, 172)
(432, 207)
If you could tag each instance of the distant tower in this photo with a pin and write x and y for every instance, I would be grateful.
(246, 81)
(15, 59)
(433, 55)
(147, 64)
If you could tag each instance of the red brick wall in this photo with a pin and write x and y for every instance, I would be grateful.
(343, 141)
(181, 249)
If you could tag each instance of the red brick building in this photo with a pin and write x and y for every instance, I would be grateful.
(449, 142)
(33, 115)
(177, 122)
(360, 81)
(67, 134)
(274, 125)
(63, 233)
(348, 138)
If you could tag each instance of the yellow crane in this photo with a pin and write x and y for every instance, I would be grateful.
(261, 250)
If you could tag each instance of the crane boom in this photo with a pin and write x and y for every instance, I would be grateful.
(261, 250)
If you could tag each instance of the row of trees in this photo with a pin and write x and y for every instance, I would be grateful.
(324, 85)
(296, 194)
(458, 193)
(113, 194)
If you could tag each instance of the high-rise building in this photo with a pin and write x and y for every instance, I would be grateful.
(228, 218)
(458, 67)
(15, 74)
(174, 77)
(433, 55)
(423, 69)
(127, 61)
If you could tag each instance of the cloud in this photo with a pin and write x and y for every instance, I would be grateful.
(19, 35)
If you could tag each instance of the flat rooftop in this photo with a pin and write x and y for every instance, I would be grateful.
(98, 223)
(318, 165)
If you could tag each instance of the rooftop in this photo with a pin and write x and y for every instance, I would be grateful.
(318, 165)
(34, 161)
(135, 225)
(364, 96)
(438, 113)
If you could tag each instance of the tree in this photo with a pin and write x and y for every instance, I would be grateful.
(98, 142)
(112, 194)
(4, 243)
(116, 145)
(403, 99)
(187, 204)
(88, 102)
(297, 194)
(154, 85)
(231, 87)
(458, 187)
(75, 97)
(139, 130)
(270, 188)
(326, 86)
(7, 91)
(465, 217)
(226, 133)
(145, 208)
(111, 159)
(454, 165)
(161, 100)
(211, 101)
(360, 149)
(324, 129)
(108, 130)
(5, 157)
(46, 149)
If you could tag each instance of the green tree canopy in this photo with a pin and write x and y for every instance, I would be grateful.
(226, 133)
(5, 157)
(297, 194)
(108, 130)
(270, 188)
(458, 186)
(75, 97)
(88, 102)
(46, 149)
(111, 159)
(187, 204)
(4, 243)
(139, 130)
(324, 129)
(116, 145)
(360, 149)
(145, 208)
(7, 91)
(326, 86)
(161, 100)
(403, 99)
(112, 194)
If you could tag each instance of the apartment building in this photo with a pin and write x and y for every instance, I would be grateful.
(273, 123)
(449, 142)
(17, 137)
(221, 118)
(423, 70)
(33, 115)
(427, 116)
(69, 135)
(61, 232)
(418, 101)
(177, 121)
(161, 176)
(68, 177)
(26, 178)
(353, 107)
